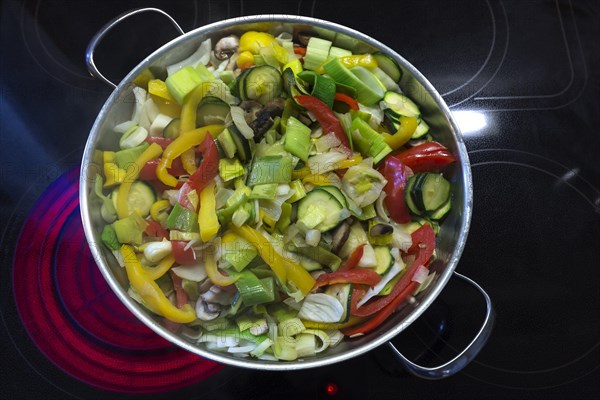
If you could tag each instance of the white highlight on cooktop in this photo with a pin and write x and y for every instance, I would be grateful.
(470, 121)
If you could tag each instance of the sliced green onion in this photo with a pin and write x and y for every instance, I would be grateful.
(266, 191)
(317, 52)
(109, 238)
(252, 290)
(323, 87)
(297, 138)
(182, 82)
(323, 337)
(335, 52)
(133, 137)
(271, 169)
(299, 191)
(230, 168)
(290, 327)
(107, 210)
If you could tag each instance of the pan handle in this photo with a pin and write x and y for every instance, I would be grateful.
(89, 54)
(466, 356)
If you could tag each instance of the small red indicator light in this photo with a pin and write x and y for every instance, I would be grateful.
(331, 389)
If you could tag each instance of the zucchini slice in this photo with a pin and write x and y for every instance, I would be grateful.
(427, 192)
(337, 193)
(342, 292)
(172, 130)
(388, 65)
(241, 143)
(141, 197)
(211, 110)
(320, 210)
(401, 104)
(385, 260)
(263, 84)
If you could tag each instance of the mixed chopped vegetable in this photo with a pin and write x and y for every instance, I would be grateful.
(272, 195)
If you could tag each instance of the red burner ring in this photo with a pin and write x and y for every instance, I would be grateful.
(75, 319)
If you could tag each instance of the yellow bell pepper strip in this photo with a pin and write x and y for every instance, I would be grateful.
(316, 180)
(114, 175)
(350, 162)
(363, 60)
(163, 99)
(245, 60)
(162, 268)
(353, 320)
(159, 211)
(207, 216)
(152, 152)
(143, 78)
(253, 41)
(285, 269)
(301, 173)
(159, 89)
(108, 157)
(179, 146)
(151, 292)
(408, 125)
(213, 272)
(188, 160)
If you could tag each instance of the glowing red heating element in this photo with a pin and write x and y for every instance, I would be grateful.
(75, 319)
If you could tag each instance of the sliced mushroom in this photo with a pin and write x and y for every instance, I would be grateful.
(381, 230)
(264, 118)
(303, 36)
(251, 109)
(216, 295)
(206, 311)
(261, 124)
(339, 237)
(226, 47)
(275, 107)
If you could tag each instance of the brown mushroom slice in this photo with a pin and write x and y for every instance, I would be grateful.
(226, 47)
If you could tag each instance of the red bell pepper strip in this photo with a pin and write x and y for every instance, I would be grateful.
(161, 141)
(154, 229)
(396, 174)
(181, 297)
(358, 292)
(423, 246)
(426, 157)
(344, 98)
(301, 51)
(383, 314)
(326, 118)
(361, 276)
(148, 172)
(204, 174)
(182, 256)
(353, 260)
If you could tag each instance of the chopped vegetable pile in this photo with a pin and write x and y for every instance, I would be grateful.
(273, 195)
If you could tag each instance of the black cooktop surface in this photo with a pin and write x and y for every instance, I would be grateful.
(522, 80)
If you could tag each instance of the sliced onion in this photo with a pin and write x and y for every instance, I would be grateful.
(313, 237)
(242, 349)
(124, 126)
(133, 137)
(321, 307)
(159, 124)
(325, 162)
(380, 208)
(374, 291)
(196, 272)
(237, 114)
(201, 55)
(323, 337)
(420, 274)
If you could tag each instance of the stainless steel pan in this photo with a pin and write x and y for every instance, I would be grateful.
(453, 233)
